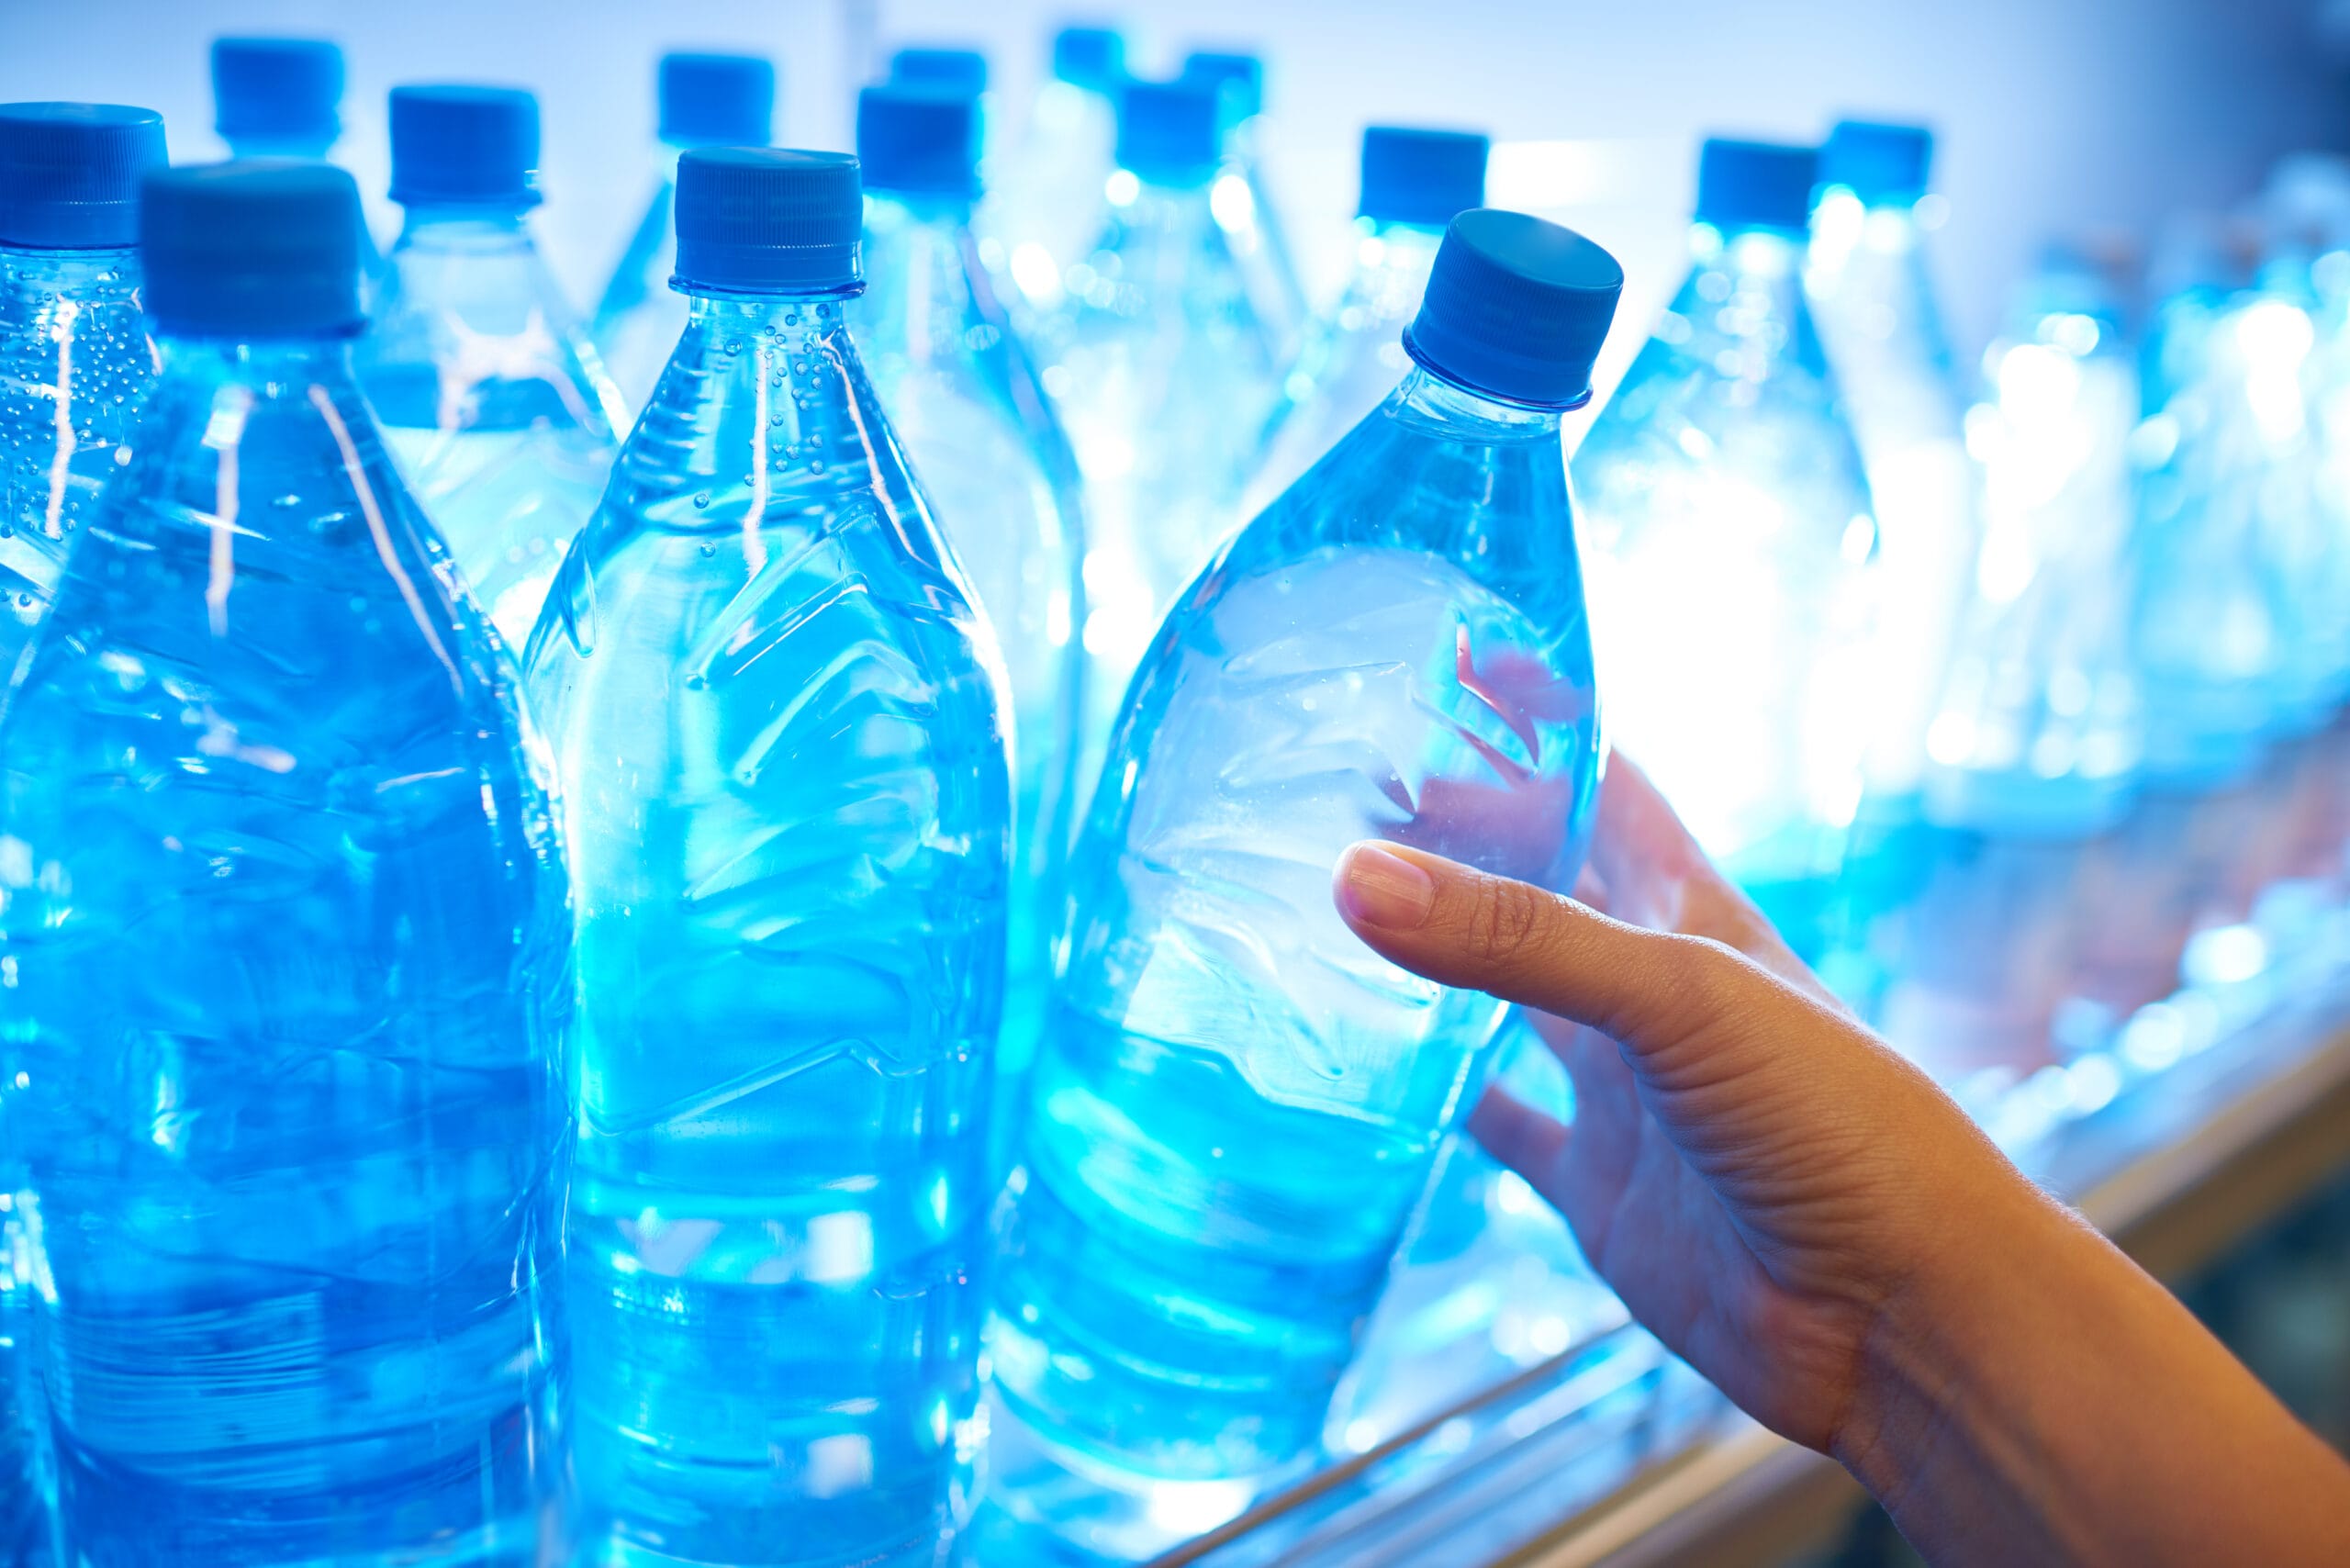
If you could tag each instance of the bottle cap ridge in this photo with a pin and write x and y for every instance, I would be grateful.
(69, 174)
(918, 141)
(281, 89)
(1423, 177)
(464, 146)
(1755, 184)
(768, 220)
(1516, 309)
(251, 251)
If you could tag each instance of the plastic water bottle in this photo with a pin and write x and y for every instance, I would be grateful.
(1163, 373)
(282, 97)
(488, 391)
(74, 360)
(958, 387)
(295, 1167)
(1237, 1103)
(2305, 210)
(74, 369)
(776, 716)
(1243, 201)
(1734, 578)
(1883, 329)
(2037, 732)
(706, 100)
(1413, 182)
(1048, 196)
(2229, 460)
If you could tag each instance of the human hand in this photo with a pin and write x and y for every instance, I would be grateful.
(1805, 1217)
(1754, 1172)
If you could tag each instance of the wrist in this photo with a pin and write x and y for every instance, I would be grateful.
(1951, 1353)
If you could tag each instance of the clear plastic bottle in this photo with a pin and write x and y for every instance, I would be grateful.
(1237, 1103)
(2038, 729)
(1413, 182)
(1243, 200)
(1733, 553)
(489, 393)
(706, 100)
(1048, 197)
(74, 359)
(2226, 452)
(75, 366)
(1163, 373)
(1871, 293)
(295, 1170)
(282, 97)
(778, 717)
(959, 388)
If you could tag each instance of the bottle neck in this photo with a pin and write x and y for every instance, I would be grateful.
(1428, 403)
(278, 364)
(87, 277)
(471, 227)
(895, 212)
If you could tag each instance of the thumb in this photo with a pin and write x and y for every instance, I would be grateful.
(1464, 927)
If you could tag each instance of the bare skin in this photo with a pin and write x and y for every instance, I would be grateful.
(1799, 1212)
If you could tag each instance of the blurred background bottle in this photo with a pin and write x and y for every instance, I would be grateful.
(282, 97)
(706, 100)
(1162, 371)
(1414, 183)
(1048, 202)
(2210, 620)
(779, 724)
(297, 1303)
(1242, 197)
(1237, 1103)
(490, 396)
(1735, 579)
(2037, 729)
(75, 366)
(959, 388)
(1869, 288)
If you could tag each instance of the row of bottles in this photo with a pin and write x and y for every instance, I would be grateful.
(912, 930)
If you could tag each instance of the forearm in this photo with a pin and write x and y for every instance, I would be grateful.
(2059, 1405)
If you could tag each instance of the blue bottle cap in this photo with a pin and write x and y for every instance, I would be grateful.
(958, 69)
(250, 251)
(70, 173)
(767, 220)
(919, 140)
(1241, 77)
(464, 146)
(1885, 165)
(1515, 308)
(1095, 58)
(1169, 133)
(1755, 184)
(276, 89)
(1424, 177)
(717, 100)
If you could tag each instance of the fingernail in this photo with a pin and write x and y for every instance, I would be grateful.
(1379, 887)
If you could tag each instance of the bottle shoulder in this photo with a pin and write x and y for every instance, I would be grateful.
(461, 342)
(766, 470)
